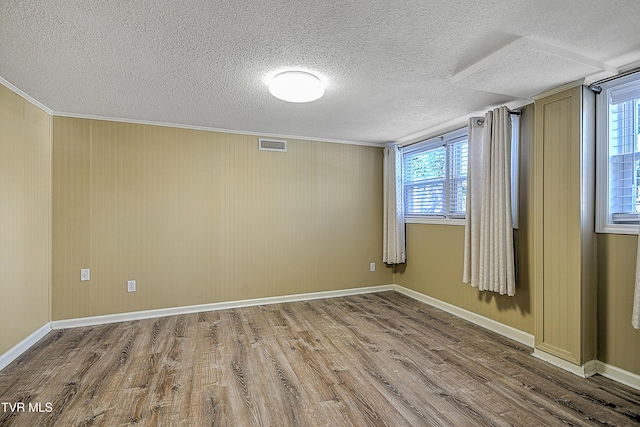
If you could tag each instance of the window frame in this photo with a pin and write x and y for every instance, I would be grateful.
(429, 144)
(604, 217)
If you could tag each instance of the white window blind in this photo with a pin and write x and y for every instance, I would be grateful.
(435, 177)
(458, 154)
(624, 160)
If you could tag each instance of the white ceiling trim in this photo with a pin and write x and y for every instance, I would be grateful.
(559, 89)
(212, 129)
(26, 96)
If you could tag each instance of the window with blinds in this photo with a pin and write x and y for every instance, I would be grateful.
(619, 148)
(434, 174)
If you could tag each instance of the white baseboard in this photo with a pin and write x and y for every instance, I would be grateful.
(588, 369)
(619, 375)
(23, 346)
(485, 322)
(585, 371)
(174, 311)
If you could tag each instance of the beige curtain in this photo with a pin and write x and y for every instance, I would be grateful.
(635, 317)
(393, 237)
(488, 249)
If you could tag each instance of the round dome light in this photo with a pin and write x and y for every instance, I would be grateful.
(296, 86)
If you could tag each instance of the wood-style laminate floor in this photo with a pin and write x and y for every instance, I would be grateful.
(369, 360)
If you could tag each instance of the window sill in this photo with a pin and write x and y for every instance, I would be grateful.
(435, 221)
(618, 229)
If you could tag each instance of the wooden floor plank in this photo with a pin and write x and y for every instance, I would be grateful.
(366, 360)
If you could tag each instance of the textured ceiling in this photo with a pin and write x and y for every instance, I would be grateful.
(394, 70)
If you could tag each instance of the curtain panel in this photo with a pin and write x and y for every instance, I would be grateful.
(488, 250)
(393, 237)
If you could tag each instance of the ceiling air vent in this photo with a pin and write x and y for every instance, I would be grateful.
(272, 145)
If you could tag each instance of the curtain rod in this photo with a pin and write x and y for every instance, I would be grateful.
(480, 121)
(514, 112)
(595, 86)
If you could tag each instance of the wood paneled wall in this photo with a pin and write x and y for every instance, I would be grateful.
(197, 217)
(25, 212)
(564, 222)
(435, 256)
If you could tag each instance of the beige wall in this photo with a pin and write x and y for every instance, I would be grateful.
(25, 198)
(434, 268)
(618, 342)
(435, 256)
(197, 217)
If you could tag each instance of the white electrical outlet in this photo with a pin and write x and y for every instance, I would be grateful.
(85, 274)
(131, 286)
(372, 266)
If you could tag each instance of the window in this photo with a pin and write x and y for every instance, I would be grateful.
(435, 178)
(618, 142)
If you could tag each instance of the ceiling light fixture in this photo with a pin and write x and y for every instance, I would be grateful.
(296, 86)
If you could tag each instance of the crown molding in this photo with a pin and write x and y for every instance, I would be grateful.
(559, 89)
(25, 95)
(213, 129)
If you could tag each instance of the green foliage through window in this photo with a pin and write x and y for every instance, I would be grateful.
(435, 177)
